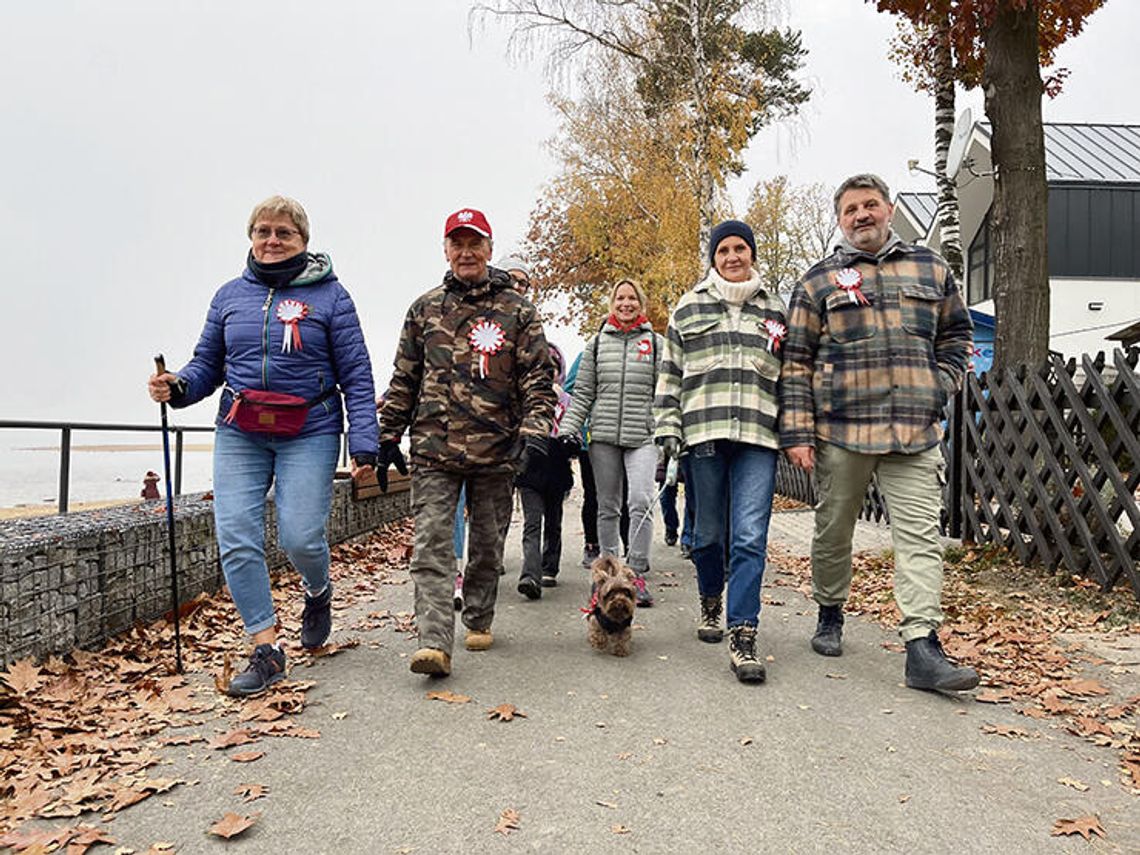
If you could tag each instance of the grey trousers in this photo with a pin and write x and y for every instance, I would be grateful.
(435, 493)
(638, 465)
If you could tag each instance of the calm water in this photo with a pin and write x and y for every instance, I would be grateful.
(29, 466)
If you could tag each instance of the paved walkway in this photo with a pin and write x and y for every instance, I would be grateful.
(661, 752)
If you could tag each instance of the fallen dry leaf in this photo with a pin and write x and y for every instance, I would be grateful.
(509, 821)
(610, 805)
(1080, 786)
(619, 829)
(505, 712)
(447, 696)
(231, 825)
(252, 792)
(1006, 731)
(22, 676)
(1086, 826)
(222, 681)
(247, 756)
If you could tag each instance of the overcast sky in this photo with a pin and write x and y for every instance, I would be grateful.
(136, 137)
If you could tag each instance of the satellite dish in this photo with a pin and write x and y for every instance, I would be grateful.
(957, 152)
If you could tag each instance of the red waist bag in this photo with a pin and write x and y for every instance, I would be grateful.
(259, 411)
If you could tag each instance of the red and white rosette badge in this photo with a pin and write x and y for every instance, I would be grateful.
(290, 313)
(851, 280)
(777, 332)
(644, 349)
(486, 339)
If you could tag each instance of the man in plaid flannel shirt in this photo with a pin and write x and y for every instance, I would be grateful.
(878, 341)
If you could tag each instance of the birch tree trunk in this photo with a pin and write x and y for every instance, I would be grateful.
(947, 213)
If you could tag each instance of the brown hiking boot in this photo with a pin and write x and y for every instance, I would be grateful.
(428, 660)
(709, 628)
(742, 655)
(478, 639)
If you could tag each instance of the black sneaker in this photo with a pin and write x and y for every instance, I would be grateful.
(742, 655)
(670, 538)
(828, 638)
(549, 581)
(530, 588)
(316, 619)
(266, 667)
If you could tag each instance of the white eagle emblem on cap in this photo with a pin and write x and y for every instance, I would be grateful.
(465, 216)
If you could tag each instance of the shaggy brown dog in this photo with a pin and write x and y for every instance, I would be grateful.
(610, 615)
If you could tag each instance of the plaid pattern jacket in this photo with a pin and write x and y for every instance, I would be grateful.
(874, 378)
(716, 382)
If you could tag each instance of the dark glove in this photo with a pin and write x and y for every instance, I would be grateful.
(671, 446)
(389, 453)
(533, 463)
(364, 459)
(571, 444)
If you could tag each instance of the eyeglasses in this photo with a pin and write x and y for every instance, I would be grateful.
(264, 233)
(521, 281)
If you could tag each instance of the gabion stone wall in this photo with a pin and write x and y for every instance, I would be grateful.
(76, 580)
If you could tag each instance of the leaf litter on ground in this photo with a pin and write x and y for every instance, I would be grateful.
(80, 731)
(1009, 622)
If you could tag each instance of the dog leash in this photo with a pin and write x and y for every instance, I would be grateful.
(670, 481)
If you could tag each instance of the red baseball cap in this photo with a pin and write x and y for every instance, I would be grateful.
(468, 218)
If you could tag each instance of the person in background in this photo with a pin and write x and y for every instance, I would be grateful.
(878, 340)
(285, 326)
(543, 492)
(717, 399)
(474, 384)
(614, 390)
(590, 549)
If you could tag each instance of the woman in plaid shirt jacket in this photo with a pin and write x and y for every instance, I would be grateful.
(716, 398)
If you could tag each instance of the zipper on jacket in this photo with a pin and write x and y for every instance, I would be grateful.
(621, 388)
(265, 340)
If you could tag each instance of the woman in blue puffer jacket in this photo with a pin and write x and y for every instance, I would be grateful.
(284, 343)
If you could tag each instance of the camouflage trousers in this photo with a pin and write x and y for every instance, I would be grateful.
(435, 493)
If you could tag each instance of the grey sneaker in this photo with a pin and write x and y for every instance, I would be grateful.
(590, 554)
(266, 667)
(742, 655)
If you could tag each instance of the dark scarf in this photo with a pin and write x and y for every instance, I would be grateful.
(278, 273)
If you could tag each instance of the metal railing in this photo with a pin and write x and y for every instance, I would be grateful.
(65, 429)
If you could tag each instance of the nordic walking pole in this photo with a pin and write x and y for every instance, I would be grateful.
(160, 369)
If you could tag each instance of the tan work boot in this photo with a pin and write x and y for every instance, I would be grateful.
(478, 639)
(428, 660)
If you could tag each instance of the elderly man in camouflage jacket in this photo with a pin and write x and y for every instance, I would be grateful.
(878, 340)
(474, 383)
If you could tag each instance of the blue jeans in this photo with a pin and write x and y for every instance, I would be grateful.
(733, 481)
(690, 505)
(301, 470)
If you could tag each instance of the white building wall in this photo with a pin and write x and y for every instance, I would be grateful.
(1074, 327)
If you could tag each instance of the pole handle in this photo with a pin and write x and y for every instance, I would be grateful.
(160, 365)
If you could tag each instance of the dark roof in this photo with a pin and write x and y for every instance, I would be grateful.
(922, 207)
(1098, 153)
(1127, 336)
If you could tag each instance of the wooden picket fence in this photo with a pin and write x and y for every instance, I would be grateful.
(1044, 463)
